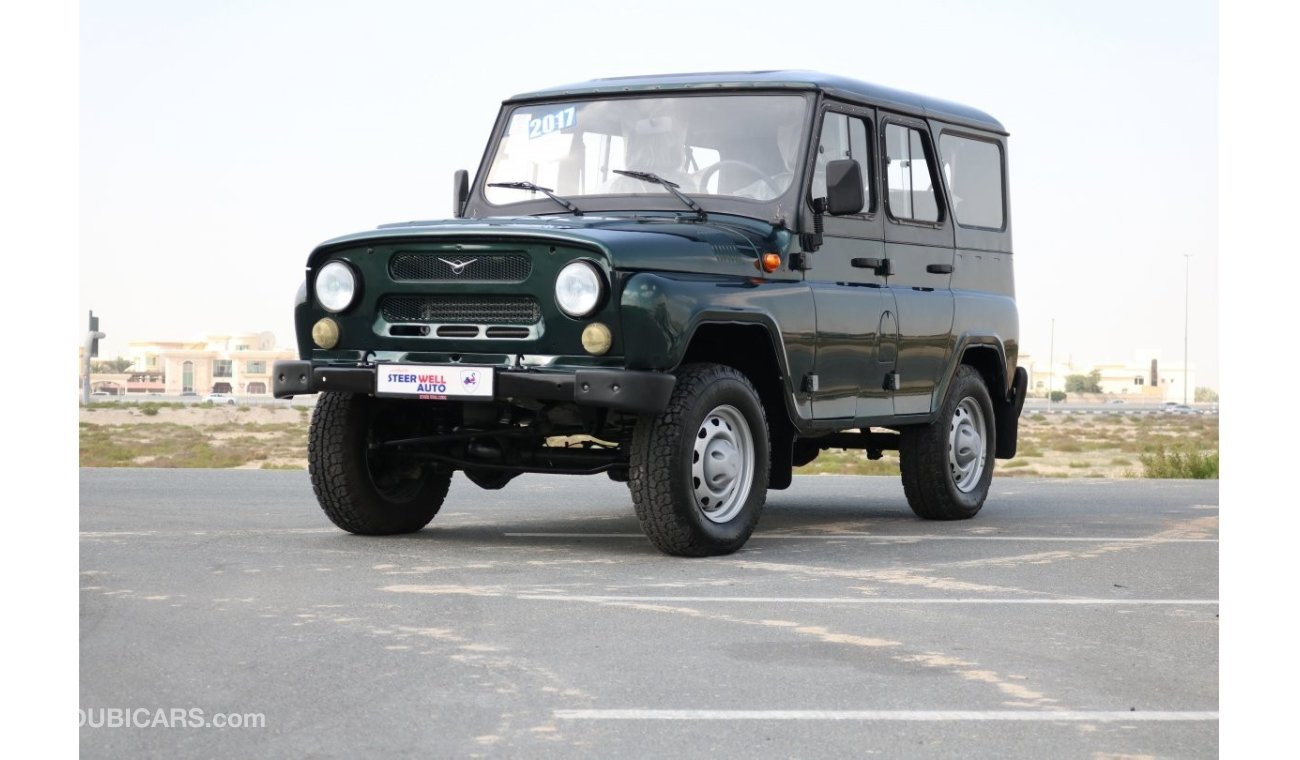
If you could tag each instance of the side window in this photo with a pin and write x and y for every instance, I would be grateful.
(973, 171)
(842, 137)
(908, 175)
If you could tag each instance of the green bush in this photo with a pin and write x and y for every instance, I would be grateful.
(1180, 463)
(149, 411)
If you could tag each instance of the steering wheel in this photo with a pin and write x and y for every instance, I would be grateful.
(702, 180)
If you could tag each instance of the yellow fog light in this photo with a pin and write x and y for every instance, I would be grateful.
(325, 333)
(596, 338)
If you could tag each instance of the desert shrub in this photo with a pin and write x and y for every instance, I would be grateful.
(1165, 462)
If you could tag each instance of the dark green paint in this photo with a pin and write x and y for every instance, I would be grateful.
(670, 273)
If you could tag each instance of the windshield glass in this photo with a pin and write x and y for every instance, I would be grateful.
(739, 146)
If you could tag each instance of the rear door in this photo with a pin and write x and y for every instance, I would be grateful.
(919, 245)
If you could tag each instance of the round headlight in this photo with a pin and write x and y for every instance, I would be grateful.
(336, 286)
(579, 288)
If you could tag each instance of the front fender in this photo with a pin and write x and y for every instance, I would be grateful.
(659, 313)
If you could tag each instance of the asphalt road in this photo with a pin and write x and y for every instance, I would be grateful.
(1071, 618)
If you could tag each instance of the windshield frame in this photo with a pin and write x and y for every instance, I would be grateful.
(781, 210)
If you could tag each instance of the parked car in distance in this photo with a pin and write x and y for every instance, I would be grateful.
(101, 393)
(219, 398)
(1181, 409)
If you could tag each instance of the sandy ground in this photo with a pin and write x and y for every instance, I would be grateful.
(1059, 445)
(198, 416)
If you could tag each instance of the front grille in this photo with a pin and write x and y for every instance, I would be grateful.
(432, 267)
(472, 310)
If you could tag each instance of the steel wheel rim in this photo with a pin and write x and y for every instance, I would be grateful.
(967, 453)
(722, 464)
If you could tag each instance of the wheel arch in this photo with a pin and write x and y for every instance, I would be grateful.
(987, 355)
(752, 348)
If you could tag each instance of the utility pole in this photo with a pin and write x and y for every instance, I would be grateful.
(1051, 364)
(1187, 268)
(91, 350)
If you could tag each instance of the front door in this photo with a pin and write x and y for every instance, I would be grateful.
(851, 296)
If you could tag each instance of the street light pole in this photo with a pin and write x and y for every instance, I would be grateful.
(1187, 266)
(1051, 364)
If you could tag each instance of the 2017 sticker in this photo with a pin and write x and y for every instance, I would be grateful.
(551, 122)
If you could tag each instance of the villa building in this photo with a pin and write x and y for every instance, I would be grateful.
(236, 364)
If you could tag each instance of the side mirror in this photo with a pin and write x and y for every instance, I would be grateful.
(459, 192)
(844, 187)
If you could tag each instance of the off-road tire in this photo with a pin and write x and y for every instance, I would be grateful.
(928, 477)
(662, 456)
(342, 470)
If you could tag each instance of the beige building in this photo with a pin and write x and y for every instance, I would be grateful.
(1146, 377)
(236, 364)
(1044, 377)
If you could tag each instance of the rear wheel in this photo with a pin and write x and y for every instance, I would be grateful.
(363, 490)
(699, 470)
(947, 466)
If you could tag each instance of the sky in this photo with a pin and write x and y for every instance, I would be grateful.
(220, 142)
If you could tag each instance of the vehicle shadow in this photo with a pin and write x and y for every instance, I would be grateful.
(617, 530)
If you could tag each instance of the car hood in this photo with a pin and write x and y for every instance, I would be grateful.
(663, 242)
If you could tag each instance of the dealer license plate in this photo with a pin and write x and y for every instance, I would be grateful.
(435, 382)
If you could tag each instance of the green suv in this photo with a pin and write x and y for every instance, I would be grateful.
(691, 283)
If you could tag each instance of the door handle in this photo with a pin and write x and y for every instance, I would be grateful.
(881, 266)
(939, 268)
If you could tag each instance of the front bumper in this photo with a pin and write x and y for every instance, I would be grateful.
(620, 389)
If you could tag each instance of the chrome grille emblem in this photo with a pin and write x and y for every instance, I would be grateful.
(457, 267)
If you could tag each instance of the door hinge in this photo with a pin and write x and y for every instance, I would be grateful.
(811, 384)
(893, 381)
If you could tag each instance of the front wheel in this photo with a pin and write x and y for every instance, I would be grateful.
(365, 490)
(698, 471)
(947, 466)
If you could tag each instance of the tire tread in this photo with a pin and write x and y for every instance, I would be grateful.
(339, 479)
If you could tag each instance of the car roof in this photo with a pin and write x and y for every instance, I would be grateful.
(831, 84)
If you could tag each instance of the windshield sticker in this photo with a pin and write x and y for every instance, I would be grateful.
(551, 122)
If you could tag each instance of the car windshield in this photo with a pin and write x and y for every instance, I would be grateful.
(739, 146)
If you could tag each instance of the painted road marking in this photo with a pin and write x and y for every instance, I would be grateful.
(873, 537)
(1086, 716)
(860, 600)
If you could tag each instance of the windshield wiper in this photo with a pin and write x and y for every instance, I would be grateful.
(539, 189)
(669, 186)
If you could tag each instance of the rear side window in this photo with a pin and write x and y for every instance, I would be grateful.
(973, 171)
(842, 137)
(909, 175)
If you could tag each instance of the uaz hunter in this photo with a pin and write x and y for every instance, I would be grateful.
(690, 283)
